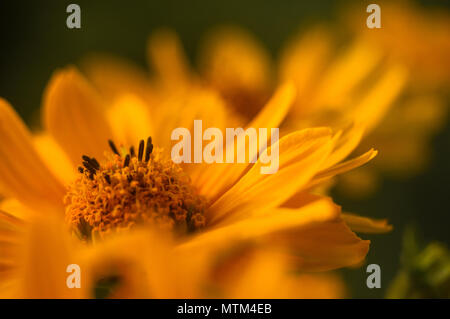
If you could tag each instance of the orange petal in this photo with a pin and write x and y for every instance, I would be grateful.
(73, 114)
(165, 54)
(362, 224)
(300, 156)
(343, 167)
(23, 174)
(129, 118)
(214, 178)
(46, 253)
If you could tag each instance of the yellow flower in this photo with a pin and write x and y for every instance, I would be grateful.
(207, 207)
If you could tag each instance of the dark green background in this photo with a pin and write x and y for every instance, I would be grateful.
(34, 40)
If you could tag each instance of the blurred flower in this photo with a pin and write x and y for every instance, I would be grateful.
(424, 271)
(419, 38)
(208, 208)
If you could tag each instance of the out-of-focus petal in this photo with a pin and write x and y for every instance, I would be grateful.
(74, 115)
(23, 174)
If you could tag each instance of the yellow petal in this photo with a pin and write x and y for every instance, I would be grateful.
(257, 226)
(73, 115)
(165, 54)
(46, 254)
(129, 118)
(214, 178)
(54, 157)
(23, 174)
(113, 77)
(362, 224)
(231, 59)
(324, 246)
(346, 73)
(315, 234)
(346, 143)
(303, 62)
(376, 102)
(343, 167)
(300, 155)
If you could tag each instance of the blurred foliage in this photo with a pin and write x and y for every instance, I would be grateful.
(424, 270)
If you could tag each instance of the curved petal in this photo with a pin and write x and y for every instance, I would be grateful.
(213, 179)
(73, 115)
(367, 225)
(300, 155)
(343, 167)
(315, 234)
(23, 174)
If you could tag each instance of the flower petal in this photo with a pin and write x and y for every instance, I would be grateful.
(362, 224)
(315, 234)
(23, 174)
(300, 154)
(45, 255)
(343, 167)
(165, 54)
(73, 114)
(129, 118)
(213, 179)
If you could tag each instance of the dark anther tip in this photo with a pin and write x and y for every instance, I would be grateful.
(107, 178)
(132, 153)
(95, 163)
(81, 169)
(141, 150)
(127, 161)
(148, 149)
(113, 147)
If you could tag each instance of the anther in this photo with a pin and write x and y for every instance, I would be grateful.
(127, 161)
(113, 147)
(132, 153)
(95, 163)
(141, 150)
(88, 167)
(92, 162)
(148, 149)
(107, 178)
(81, 169)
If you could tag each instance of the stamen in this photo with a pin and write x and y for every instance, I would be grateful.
(113, 147)
(125, 191)
(141, 150)
(127, 161)
(91, 161)
(88, 166)
(95, 163)
(132, 153)
(148, 149)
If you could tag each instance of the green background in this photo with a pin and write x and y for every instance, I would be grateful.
(34, 41)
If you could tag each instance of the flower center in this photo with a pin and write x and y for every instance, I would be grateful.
(126, 191)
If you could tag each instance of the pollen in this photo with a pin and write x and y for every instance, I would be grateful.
(132, 189)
